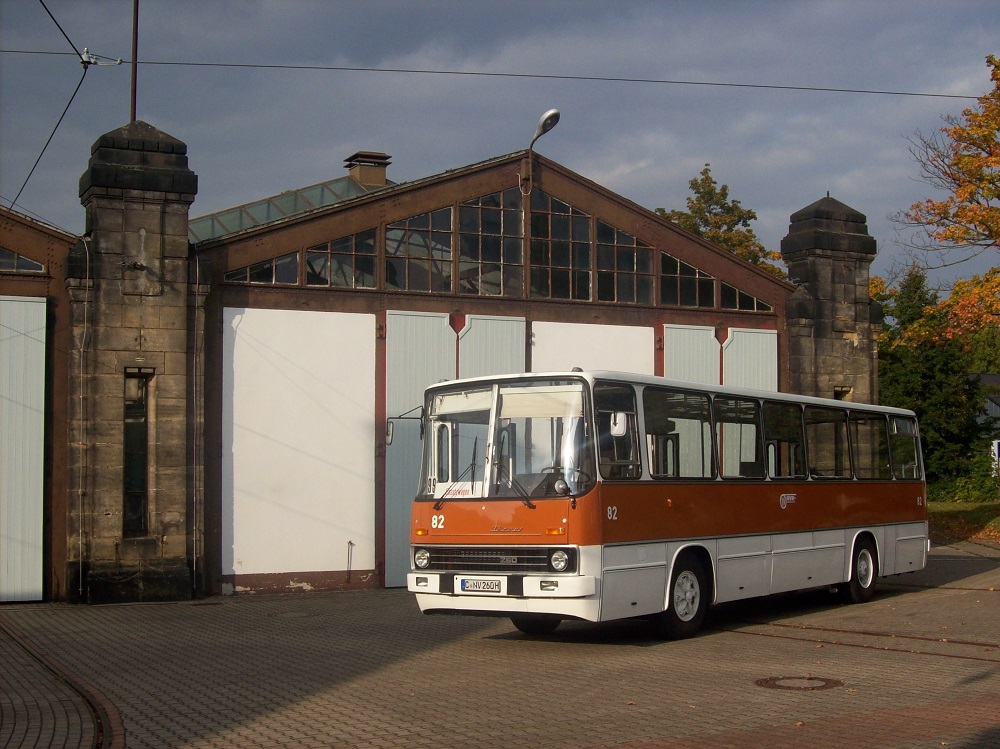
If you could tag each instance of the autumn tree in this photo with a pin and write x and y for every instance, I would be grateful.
(723, 222)
(924, 368)
(962, 159)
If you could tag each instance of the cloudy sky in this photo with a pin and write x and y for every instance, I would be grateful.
(622, 74)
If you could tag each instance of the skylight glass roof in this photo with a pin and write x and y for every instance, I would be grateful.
(276, 208)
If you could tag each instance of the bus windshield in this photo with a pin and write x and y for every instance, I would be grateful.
(523, 440)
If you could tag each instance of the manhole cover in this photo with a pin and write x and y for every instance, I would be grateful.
(800, 683)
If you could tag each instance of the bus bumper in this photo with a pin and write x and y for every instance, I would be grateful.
(571, 596)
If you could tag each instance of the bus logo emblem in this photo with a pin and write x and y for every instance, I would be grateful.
(786, 499)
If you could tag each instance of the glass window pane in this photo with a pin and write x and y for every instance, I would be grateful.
(706, 292)
(581, 285)
(644, 261)
(668, 291)
(539, 226)
(540, 282)
(581, 228)
(560, 284)
(341, 271)
(286, 269)
(626, 259)
(469, 246)
(605, 257)
(317, 268)
(491, 249)
(365, 242)
(395, 273)
(728, 296)
(8, 260)
(27, 264)
(262, 272)
(626, 289)
(491, 221)
(468, 278)
(689, 292)
(418, 275)
(605, 233)
(559, 207)
(441, 219)
(605, 287)
(513, 281)
(644, 289)
(512, 198)
(468, 219)
(560, 254)
(560, 227)
(581, 255)
(512, 250)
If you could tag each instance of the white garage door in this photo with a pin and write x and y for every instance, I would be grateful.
(298, 464)
(22, 446)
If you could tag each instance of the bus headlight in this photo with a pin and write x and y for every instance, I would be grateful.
(422, 558)
(559, 560)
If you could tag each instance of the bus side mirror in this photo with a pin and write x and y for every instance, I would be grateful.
(619, 424)
(388, 431)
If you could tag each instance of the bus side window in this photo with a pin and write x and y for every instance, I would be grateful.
(826, 442)
(903, 447)
(617, 433)
(870, 446)
(678, 433)
(738, 433)
(784, 440)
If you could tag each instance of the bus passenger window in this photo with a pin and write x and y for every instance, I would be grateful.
(870, 446)
(617, 433)
(826, 442)
(678, 434)
(904, 448)
(738, 431)
(784, 440)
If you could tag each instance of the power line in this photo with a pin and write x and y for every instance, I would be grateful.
(51, 135)
(536, 76)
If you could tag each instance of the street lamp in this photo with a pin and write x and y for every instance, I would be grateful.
(546, 123)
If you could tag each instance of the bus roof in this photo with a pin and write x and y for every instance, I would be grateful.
(592, 376)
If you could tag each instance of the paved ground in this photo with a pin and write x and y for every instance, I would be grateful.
(917, 667)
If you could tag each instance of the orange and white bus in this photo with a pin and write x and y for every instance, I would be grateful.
(602, 495)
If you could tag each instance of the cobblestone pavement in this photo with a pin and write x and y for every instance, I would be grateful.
(917, 667)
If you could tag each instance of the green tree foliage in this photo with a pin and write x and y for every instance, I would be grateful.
(930, 373)
(723, 222)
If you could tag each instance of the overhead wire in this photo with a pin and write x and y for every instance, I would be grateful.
(537, 76)
(86, 65)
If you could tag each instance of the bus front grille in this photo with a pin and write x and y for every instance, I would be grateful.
(504, 559)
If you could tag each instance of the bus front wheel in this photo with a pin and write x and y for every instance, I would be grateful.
(535, 624)
(864, 571)
(687, 600)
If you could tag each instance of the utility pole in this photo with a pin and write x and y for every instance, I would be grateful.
(135, 53)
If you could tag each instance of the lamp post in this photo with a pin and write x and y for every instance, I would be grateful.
(546, 123)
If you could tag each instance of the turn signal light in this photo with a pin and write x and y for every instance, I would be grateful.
(421, 531)
(555, 531)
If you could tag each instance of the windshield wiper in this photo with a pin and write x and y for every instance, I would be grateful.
(514, 484)
(471, 468)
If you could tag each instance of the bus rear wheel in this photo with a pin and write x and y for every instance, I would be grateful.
(687, 600)
(864, 571)
(535, 624)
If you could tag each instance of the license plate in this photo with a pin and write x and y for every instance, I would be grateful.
(481, 585)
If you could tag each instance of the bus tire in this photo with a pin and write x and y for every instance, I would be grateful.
(687, 599)
(864, 572)
(535, 624)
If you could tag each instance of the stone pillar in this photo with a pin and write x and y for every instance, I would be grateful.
(833, 325)
(134, 436)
